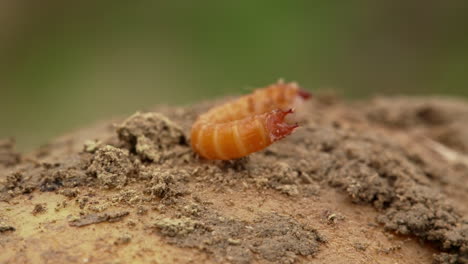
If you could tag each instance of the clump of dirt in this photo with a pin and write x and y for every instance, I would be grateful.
(152, 136)
(123, 239)
(404, 157)
(92, 145)
(4, 227)
(111, 166)
(39, 209)
(176, 227)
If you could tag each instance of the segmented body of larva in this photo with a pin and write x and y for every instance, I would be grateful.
(248, 124)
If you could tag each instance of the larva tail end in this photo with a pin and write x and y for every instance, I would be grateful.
(276, 125)
(304, 94)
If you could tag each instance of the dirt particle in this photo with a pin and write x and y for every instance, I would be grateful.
(39, 209)
(123, 239)
(289, 189)
(447, 258)
(5, 228)
(233, 241)
(141, 210)
(70, 193)
(131, 223)
(14, 185)
(192, 209)
(128, 196)
(391, 249)
(60, 205)
(71, 175)
(92, 145)
(98, 207)
(176, 226)
(332, 217)
(82, 201)
(362, 246)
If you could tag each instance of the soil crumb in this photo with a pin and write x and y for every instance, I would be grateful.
(123, 239)
(153, 136)
(5, 227)
(39, 209)
(111, 166)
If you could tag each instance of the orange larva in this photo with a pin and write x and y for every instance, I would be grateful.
(248, 124)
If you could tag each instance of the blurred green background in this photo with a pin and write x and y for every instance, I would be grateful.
(66, 64)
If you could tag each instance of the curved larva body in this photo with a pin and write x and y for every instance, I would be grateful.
(246, 125)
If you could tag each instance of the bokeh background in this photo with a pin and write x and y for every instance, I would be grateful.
(66, 64)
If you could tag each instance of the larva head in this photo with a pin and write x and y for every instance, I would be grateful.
(276, 125)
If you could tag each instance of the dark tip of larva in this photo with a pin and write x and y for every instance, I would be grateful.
(277, 128)
(304, 94)
(289, 111)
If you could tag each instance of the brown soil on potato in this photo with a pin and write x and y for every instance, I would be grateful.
(380, 181)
